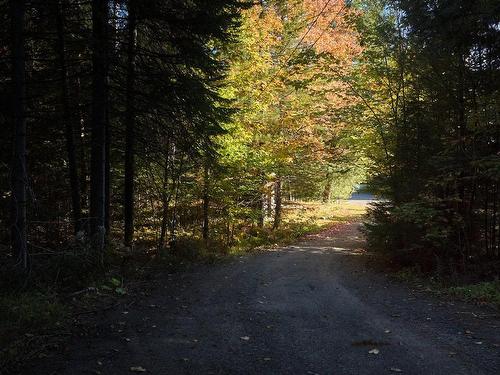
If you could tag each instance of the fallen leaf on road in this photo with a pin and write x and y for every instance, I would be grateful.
(137, 369)
(374, 351)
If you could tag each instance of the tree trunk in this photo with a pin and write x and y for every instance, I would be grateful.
(18, 168)
(206, 201)
(176, 183)
(81, 145)
(98, 137)
(290, 195)
(277, 204)
(165, 197)
(67, 119)
(327, 191)
(130, 128)
(107, 174)
(111, 52)
(262, 209)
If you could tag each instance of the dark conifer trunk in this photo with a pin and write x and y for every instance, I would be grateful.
(176, 185)
(98, 138)
(18, 167)
(67, 118)
(111, 36)
(81, 146)
(165, 198)
(129, 128)
(206, 201)
(107, 174)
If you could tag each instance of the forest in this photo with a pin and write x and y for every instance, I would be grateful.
(148, 129)
(146, 124)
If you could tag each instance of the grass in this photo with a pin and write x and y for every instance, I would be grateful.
(482, 293)
(28, 322)
(299, 219)
(486, 292)
(322, 214)
(29, 311)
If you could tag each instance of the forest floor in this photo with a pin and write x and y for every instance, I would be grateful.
(314, 307)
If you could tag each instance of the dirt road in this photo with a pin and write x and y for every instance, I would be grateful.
(312, 308)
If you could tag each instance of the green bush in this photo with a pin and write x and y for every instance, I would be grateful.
(418, 234)
(189, 248)
(485, 292)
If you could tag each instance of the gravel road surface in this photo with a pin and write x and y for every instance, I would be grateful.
(315, 307)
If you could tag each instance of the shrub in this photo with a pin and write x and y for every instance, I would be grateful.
(485, 292)
(416, 233)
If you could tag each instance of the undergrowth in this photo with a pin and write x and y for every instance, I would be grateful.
(484, 292)
(299, 219)
(27, 320)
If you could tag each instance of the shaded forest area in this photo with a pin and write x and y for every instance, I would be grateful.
(434, 88)
(159, 128)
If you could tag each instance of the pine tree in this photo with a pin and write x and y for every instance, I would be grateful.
(19, 166)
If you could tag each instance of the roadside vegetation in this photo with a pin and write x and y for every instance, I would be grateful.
(432, 84)
(455, 288)
(481, 293)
